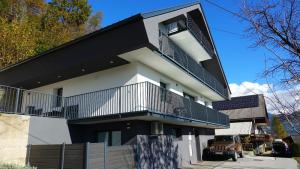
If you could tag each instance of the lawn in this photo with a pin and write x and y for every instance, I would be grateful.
(297, 159)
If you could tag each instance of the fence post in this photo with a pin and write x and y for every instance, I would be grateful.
(105, 150)
(28, 154)
(62, 155)
(87, 152)
(17, 101)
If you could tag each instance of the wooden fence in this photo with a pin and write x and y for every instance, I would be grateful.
(81, 156)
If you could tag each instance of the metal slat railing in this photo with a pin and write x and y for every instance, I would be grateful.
(119, 100)
(27, 102)
(173, 52)
(198, 34)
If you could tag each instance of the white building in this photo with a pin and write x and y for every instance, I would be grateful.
(146, 78)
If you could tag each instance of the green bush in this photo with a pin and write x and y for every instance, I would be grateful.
(13, 166)
(295, 150)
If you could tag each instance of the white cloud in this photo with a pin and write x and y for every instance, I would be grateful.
(289, 97)
(248, 88)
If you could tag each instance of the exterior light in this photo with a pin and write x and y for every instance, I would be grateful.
(111, 62)
(83, 70)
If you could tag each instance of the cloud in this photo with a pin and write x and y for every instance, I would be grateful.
(248, 88)
(287, 97)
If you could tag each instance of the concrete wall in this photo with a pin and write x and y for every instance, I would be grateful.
(48, 131)
(17, 131)
(14, 131)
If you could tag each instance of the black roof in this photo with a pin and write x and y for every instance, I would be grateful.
(237, 103)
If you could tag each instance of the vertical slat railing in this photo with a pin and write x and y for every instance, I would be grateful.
(137, 97)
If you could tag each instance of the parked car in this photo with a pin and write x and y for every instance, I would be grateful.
(280, 148)
(227, 146)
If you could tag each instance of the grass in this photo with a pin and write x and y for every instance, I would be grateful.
(13, 166)
(297, 159)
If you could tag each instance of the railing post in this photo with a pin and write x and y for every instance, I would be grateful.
(17, 100)
(62, 156)
(87, 152)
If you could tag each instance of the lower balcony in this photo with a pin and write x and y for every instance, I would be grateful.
(144, 101)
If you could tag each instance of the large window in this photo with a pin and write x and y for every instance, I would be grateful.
(113, 138)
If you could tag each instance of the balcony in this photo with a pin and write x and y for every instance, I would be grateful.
(144, 101)
(174, 53)
(187, 35)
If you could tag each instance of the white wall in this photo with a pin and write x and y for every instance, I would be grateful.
(93, 104)
(118, 76)
(145, 73)
(43, 130)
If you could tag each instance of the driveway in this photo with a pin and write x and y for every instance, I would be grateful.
(249, 162)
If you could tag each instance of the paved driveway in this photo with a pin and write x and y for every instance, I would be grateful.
(249, 162)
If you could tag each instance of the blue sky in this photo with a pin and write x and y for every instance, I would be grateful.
(240, 62)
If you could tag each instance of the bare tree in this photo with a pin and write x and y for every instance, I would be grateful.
(275, 26)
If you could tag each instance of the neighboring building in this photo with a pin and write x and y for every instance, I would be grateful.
(140, 81)
(248, 118)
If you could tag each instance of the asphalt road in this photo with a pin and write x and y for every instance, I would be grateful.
(249, 162)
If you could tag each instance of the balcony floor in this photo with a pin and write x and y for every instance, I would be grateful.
(186, 40)
(148, 116)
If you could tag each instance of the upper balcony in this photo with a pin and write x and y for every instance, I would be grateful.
(185, 33)
(174, 53)
(141, 101)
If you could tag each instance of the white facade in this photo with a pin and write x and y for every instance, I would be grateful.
(90, 98)
(119, 76)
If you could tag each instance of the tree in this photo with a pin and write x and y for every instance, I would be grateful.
(16, 42)
(30, 27)
(94, 21)
(278, 128)
(275, 26)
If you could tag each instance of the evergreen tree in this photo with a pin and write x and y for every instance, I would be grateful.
(278, 128)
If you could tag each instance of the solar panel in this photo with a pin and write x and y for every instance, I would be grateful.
(237, 103)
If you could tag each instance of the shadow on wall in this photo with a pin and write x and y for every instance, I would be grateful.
(157, 152)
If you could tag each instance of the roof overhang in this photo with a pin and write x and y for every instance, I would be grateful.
(91, 53)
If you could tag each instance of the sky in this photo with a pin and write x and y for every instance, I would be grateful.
(242, 64)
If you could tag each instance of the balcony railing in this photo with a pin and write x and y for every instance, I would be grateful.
(189, 24)
(137, 98)
(173, 52)
(198, 34)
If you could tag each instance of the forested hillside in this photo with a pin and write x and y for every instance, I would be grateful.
(29, 27)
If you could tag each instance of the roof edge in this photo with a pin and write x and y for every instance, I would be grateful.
(76, 40)
(167, 10)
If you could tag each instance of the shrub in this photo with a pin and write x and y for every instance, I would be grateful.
(295, 150)
(13, 166)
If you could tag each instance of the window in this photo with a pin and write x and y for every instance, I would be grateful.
(58, 100)
(188, 96)
(176, 133)
(113, 138)
(163, 91)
